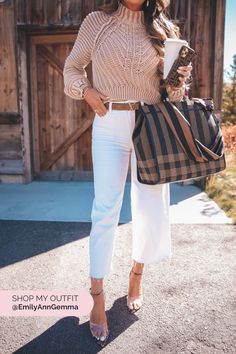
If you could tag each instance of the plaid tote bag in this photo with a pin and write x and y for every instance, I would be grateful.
(175, 141)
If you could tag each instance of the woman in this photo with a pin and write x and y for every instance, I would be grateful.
(124, 41)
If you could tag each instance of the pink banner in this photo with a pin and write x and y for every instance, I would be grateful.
(45, 303)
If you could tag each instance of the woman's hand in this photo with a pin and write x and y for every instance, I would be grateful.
(185, 72)
(95, 99)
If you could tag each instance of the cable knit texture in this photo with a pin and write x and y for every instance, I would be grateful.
(124, 61)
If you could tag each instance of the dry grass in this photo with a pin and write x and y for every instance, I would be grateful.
(222, 187)
(229, 133)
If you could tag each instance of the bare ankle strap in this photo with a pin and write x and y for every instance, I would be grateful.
(97, 293)
(136, 273)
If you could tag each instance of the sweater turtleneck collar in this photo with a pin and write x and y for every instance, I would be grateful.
(127, 15)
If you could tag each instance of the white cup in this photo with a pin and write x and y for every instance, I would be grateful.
(172, 47)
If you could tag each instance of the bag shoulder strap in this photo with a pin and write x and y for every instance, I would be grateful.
(183, 128)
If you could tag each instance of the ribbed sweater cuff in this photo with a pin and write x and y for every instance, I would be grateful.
(76, 86)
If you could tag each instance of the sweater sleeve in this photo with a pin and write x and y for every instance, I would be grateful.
(74, 73)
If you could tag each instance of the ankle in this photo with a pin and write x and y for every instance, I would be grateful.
(138, 267)
(96, 292)
(96, 285)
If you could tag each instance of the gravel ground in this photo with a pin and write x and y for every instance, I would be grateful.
(189, 302)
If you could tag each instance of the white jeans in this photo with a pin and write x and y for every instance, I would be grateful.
(112, 147)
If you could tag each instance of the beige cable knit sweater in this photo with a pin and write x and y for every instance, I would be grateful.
(124, 62)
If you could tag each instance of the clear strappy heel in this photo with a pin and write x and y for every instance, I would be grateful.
(101, 328)
(134, 303)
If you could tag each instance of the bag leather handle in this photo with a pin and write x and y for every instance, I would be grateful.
(195, 146)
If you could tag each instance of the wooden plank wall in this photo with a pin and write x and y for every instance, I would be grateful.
(204, 29)
(46, 17)
(39, 14)
(10, 127)
(51, 13)
(8, 88)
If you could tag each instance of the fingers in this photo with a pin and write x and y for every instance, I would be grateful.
(101, 110)
(95, 100)
(188, 67)
(182, 79)
(185, 72)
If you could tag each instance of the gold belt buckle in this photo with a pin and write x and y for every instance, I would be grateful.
(132, 105)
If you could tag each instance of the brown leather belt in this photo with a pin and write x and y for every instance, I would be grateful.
(128, 106)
